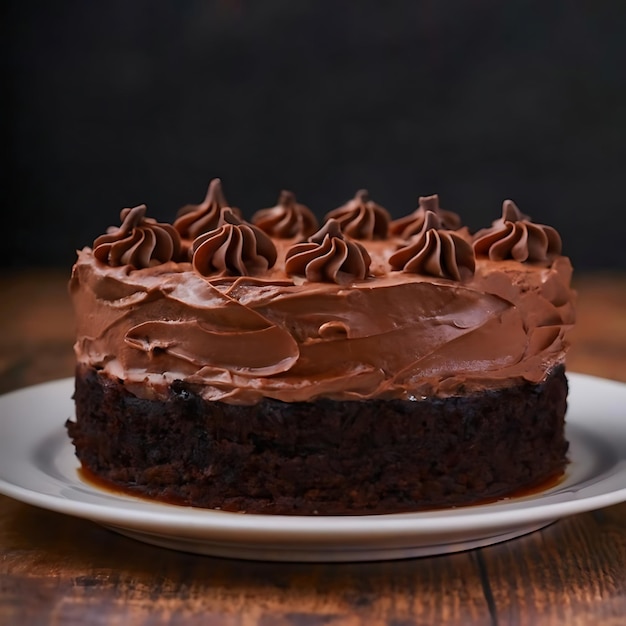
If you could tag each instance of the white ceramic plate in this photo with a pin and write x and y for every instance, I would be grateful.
(38, 466)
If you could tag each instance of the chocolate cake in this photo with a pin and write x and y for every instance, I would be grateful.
(367, 365)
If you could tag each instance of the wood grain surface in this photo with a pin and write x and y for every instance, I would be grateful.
(56, 569)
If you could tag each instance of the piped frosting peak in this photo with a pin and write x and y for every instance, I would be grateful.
(412, 224)
(515, 236)
(140, 241)
(194, 220)
(328, 256)
(435, 251)
(287, 219)
(233, 248)
(362, 218)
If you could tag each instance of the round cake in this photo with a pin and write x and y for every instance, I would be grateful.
(362, 365)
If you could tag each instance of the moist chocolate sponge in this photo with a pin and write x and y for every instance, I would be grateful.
(325, 457)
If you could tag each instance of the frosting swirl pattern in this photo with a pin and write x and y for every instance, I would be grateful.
(140, 241)
(362, 218)
(412, 224)
(328, 256)
(514, 236)
(435, 252)
(287, 219)
(234, 248)
(194, 220)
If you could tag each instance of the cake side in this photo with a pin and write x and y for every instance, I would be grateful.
(325, 457)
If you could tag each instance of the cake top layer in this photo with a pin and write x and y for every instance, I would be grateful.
(359, 306)
(430, 241)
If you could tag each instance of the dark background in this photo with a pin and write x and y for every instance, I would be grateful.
(112, 104)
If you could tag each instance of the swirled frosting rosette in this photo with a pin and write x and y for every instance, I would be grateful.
(412, 224)
(328, 256)
(515, 236)
(193, 220)
(361, 218)
(435, 251)
(287, 219)
(233, 248)
(140, 241)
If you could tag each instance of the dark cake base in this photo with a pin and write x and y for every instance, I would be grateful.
(325, 457)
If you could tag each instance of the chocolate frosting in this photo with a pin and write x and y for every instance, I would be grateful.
(287, 219)
(139, 241)
(391, 334)
(328, 256)
(412, 224)
(362, 218)
(194, 220)
(435, 252)
(514, 236)
(233, 248)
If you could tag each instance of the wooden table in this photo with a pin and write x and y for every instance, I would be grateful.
(61, 570)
